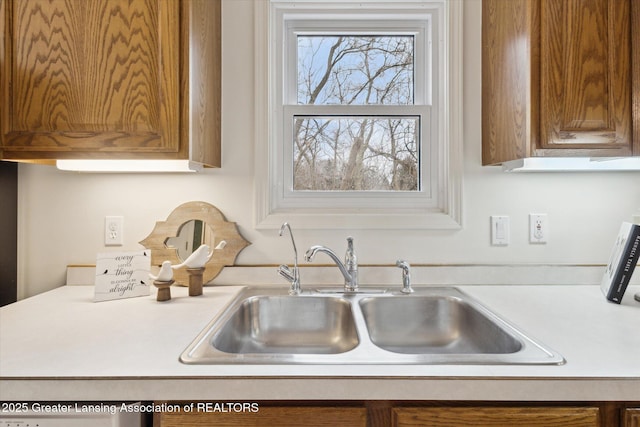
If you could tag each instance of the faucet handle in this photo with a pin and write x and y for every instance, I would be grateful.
(286, 272)
(406, 276)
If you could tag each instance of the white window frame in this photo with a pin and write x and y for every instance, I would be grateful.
(438, 205)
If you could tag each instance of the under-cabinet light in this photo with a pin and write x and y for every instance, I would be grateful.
(115, 166)
(572, 164)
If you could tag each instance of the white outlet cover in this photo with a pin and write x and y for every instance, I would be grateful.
(538, 228)
(113, 230)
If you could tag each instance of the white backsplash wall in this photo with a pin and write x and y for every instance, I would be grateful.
(61, 214)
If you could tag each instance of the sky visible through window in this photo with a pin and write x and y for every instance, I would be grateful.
(348, 152)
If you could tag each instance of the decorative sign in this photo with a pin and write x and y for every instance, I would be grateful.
(122, 275)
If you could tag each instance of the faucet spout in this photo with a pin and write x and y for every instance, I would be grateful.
(349, 268)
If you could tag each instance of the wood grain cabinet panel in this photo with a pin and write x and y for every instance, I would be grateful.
(495, 416)
(413, 414)
(105, 78)
(560, 78)
(282, 416)
(632, 417)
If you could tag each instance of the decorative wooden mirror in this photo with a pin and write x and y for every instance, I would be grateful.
(186, 228)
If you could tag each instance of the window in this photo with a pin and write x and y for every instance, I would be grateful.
(355, 130)
(378, 151)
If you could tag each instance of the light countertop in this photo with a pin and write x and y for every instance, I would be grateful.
(60, 345)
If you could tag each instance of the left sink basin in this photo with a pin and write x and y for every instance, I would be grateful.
(268, 326)
(287, 324)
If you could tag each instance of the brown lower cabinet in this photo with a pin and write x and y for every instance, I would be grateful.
(406, 414)
(632, 417)
(266, 415)
(497, 416)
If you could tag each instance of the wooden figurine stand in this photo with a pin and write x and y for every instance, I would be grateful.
(164, 290)
(195, 281)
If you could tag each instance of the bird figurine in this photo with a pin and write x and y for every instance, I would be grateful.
(165, 274)
(199, 257)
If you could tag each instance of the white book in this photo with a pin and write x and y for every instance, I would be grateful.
(622, 262)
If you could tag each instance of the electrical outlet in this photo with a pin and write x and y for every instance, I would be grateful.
(113, 230)
(538, 228)
(499, 230)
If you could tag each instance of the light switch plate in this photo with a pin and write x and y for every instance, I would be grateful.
(499, 230)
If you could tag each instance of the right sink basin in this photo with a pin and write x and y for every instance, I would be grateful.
(434, 325)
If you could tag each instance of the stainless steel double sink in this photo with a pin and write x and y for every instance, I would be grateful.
(374, 326)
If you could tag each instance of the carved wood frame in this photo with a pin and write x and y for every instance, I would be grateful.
(213, 218)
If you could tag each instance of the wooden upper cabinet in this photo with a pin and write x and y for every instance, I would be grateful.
(110, 79)
(560, 78)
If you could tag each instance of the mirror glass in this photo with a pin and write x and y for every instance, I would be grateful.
(190, 236)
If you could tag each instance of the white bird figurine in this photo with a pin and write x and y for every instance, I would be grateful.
(165, 274)
(199, 257)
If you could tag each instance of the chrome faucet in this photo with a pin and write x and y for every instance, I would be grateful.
(292, 276)
(349, 268)
(406, 276)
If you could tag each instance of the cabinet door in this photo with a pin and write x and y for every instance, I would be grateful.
(268, 416)
(560, 78)
(87, 79)
(510, 111)
(632, 417)
(585, 76)
(499, 416)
